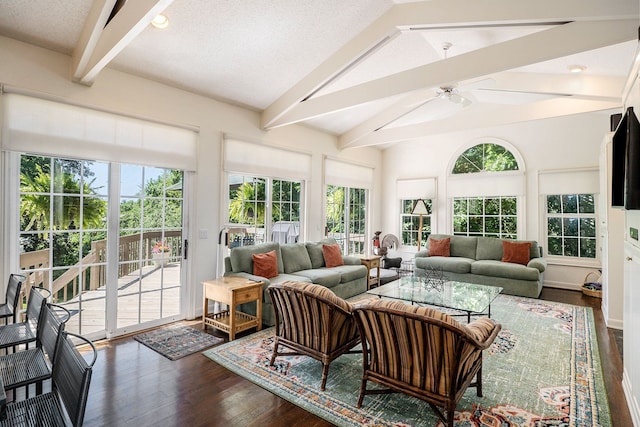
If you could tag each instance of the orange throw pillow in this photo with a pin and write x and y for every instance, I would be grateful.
(332, 255)
(516, 252)
(440, 247)
(265, 265)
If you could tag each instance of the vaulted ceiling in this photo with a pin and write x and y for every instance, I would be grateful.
(373, 72)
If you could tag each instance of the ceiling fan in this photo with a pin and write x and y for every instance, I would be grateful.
(450, 93)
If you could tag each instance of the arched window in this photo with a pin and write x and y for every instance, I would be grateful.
(485, 158)
(486, 186)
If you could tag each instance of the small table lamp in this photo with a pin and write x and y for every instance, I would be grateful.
(419, 209)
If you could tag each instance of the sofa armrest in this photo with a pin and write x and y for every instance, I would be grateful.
(538, 263)
(351, 260)
(423, 253)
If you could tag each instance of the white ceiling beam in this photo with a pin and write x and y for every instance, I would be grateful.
(541, 46)
(499, 116)
(93, 27)
(130, 21)
(438, 14)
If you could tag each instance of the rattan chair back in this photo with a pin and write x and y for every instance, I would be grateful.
(422, 352)
(312, 321)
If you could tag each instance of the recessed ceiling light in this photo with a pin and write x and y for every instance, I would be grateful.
(577, 68)
(160, 21)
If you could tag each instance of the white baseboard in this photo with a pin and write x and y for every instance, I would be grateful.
(611, 323)
(562, 285)
(632, 403)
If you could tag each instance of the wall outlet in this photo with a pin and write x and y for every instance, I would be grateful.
(203, 233)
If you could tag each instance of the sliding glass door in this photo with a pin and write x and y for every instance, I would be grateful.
(70, 212)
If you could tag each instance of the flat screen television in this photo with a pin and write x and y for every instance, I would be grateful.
(618, 163)
(632, 165)
(625, 163)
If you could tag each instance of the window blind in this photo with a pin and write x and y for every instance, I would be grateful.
(345, 174)
(569, 181)
(40, 126)
(258, 159)
(486, 184)
(411, 189)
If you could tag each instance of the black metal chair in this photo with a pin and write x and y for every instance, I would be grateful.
(25, 332)
(10, 306)
(65, 404)
(34, 365)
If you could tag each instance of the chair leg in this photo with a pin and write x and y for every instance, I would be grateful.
(450, 415)
(325, 374)
(275, 352)
(363, 388)
(479, 382)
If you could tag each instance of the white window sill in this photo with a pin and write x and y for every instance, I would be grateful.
(573, 262)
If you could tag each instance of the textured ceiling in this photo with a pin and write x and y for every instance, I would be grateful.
(368, 71)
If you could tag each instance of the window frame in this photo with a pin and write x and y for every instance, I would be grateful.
(566, 259)
(268, 182)
(427, 226)
(499, 217)
(347, 243)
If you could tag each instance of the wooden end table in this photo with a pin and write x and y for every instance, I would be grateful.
(372, 261)
(232, 291)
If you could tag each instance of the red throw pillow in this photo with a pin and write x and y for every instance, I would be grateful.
(332, 255)
(266, 264)
(440, 247)
(516, 252)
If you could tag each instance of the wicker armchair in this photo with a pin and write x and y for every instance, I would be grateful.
(312, 321)
(422, 352)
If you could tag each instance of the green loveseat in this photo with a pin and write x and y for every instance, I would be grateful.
(302, 262)
(478, 260)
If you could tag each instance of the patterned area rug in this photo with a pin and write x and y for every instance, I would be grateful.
(542, 370)
(174, 342)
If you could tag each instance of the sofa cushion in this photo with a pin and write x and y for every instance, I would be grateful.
(315, 251)
(242, 260)
(440, 247)
(351, 272)
(332, 255)
(328, 277)
(266, 264)
(295, 257)
(504, 269)
(460, 246)
(516, 252)
(489, 248)
(451, 264)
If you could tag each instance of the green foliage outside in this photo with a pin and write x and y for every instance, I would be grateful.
(571, 225)
(485, 158)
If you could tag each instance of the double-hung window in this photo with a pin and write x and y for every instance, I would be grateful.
(571, 225)
(410, 223)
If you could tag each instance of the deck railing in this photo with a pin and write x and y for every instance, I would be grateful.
(92, 268)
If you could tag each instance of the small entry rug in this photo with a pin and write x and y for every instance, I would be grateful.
(542, 370)
(174, 342)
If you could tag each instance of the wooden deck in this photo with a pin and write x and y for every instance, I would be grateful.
(140, 300)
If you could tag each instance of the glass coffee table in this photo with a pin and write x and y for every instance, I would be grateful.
(469, 298)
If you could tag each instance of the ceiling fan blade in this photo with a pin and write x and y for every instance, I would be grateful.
(458, 99)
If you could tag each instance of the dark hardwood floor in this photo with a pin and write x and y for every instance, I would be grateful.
(134, 386)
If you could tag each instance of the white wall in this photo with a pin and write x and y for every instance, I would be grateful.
(559, 143)
(40, 71)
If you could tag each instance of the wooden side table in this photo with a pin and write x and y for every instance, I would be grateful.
(232, 291)
(372, 261)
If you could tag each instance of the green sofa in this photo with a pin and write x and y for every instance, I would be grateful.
(478, 260)
(302, 262)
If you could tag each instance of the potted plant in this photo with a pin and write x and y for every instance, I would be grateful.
(160, 253)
